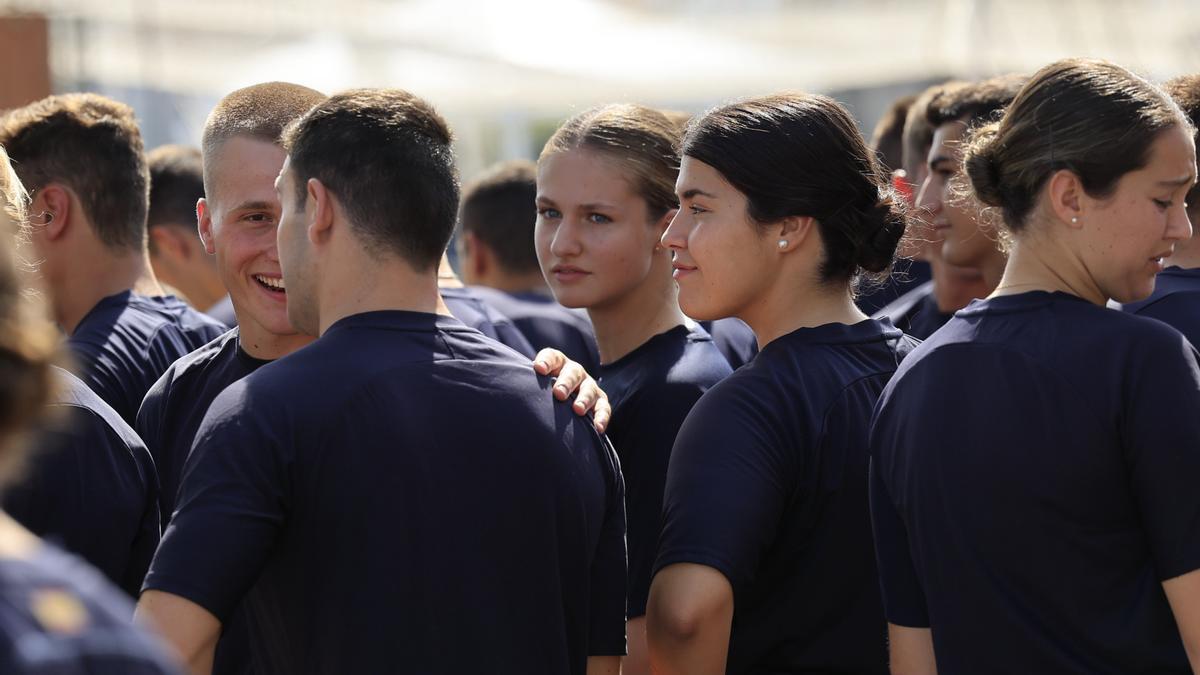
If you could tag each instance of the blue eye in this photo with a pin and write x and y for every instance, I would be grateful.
(599, 218)
(549, 213)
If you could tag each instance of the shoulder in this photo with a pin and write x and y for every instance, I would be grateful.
(76, 395)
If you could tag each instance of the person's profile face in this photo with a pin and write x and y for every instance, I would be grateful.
(295, 258)
(1124, 237)
(594, 234)
(245, 211)
(721, 260)
(954, 219)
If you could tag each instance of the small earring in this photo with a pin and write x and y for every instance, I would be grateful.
(1074, 219)
(783, 243)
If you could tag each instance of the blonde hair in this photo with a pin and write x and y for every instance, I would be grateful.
(28, 340)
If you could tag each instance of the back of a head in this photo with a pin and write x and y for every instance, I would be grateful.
(498, 208)
(641, 140)
(1185, 91)
(176, 183)
(1093, 118)
(260, 112)
(975, 103)
(888, 138)
(91, 144)
(28, 341)
(803, 155)
(386, 156)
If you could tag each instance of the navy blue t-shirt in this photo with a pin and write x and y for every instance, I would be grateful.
(127, 340)
(89, 485)
(545, 323)
(173, 408)
(404, 493)
(57, 615)
(768, 485)
(1034, 479)
(468, 307)
(916, 312)
(651, 390)
(908, 275)
(1175, 301)
(734, 339)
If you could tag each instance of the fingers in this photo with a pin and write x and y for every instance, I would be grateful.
(549, 361)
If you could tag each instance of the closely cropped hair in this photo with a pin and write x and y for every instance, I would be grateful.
(888, 138)
(176, 183)
(918, 132)
(976, 102)
(28, 341)
(91, 144)
(260, 112)
(498, 208)
(802, 155)
(387, 156)
(644, 141)
(1185, 91)
(1093, 118)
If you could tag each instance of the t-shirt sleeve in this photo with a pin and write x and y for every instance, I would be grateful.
(1161, 434)
(729, 480)
(235, 490)
(606, 632)
(903, 596)
(148, 422)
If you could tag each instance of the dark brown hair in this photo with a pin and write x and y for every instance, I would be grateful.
(1093, 118)
(888, 137)
(918, 132)
(973, 102)
(260, 112)
(386, 155)
(498, 207)
(803, 155)
(642, 140)
(91, 144)
(176, 183)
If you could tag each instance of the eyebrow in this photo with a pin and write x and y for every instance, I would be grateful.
(254, 206)
(1178, 181)
(939, 159)
(691, 193)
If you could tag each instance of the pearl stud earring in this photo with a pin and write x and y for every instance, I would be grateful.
(1074, 219)
(783, 243)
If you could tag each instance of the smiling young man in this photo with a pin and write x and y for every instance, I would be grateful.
(363, 523)
(81, 157)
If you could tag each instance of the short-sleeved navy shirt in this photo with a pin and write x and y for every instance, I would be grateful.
(468, 307)
(89, 485)
(1175, 301)
(734, 339)
(768, 485)
(545, 323)
(174, 407)
(651, 390)
(1034, 477)
(57, 615)
(916, 312)
(127, 340)
(403, 492)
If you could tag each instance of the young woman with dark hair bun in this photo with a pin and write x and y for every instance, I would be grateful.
(1035, 462)
(765, 561)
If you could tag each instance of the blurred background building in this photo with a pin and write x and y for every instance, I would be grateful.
(505, 73)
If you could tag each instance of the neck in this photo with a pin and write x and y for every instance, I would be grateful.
(627, 323)
(366, 284)
(955, 287)
(15, 541)
(532, 282)
(993, 267)
(1038, 264)
(267, 346)
(105, 274)
(783, 310)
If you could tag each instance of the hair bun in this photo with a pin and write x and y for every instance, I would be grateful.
(982, 167)
(883, 226)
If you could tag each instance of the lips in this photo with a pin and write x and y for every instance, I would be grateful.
(680, 270)
(568, 273)
(272, 284)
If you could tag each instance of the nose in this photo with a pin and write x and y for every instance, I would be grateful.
(565, 242)
(1179, 224)
(929, 199)
(676, 235)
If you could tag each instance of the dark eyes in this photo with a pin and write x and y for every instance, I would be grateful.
(257, 217)
(696, 209)
(1163, 204)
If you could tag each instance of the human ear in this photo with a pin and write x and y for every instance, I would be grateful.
(1065, 194)
(51, 210)
(319, 211)
(793, 231)
(204, 226)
